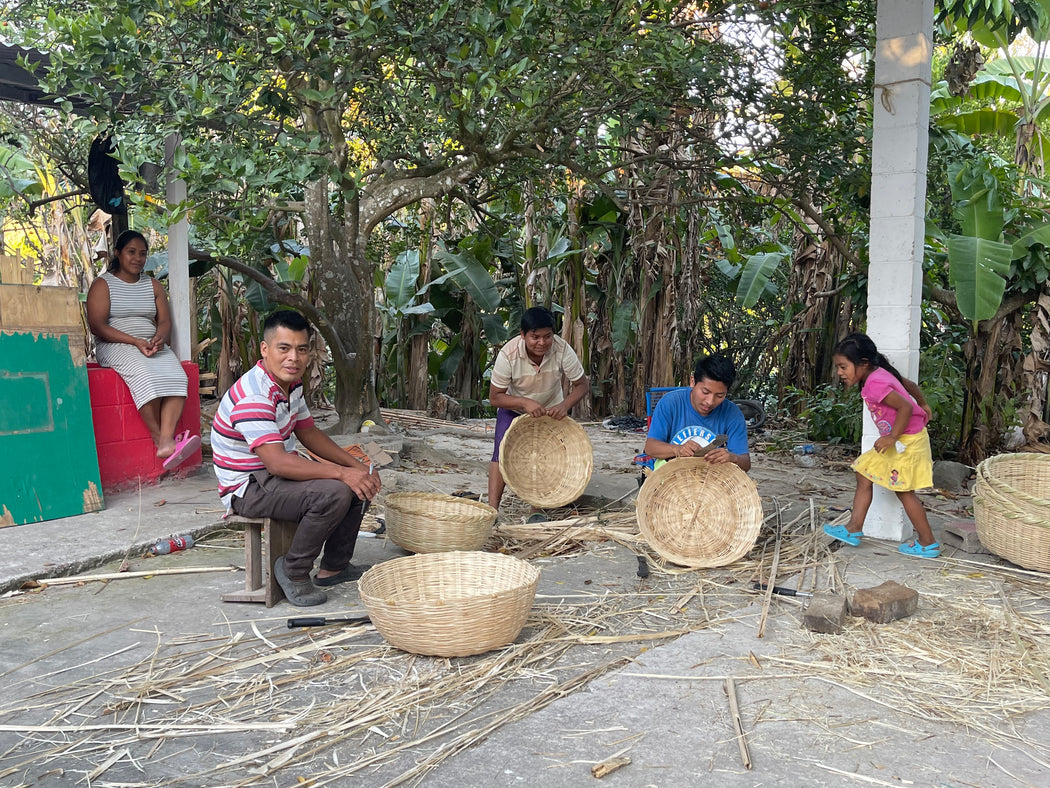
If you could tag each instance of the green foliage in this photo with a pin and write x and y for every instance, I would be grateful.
(942, 378)
(831, 411)
(471, 274)
(997, 22)
(18, 175)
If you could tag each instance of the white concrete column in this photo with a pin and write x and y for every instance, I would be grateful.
(178, 259)
(900, 142)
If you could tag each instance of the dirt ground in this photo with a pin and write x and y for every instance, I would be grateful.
(153, 681)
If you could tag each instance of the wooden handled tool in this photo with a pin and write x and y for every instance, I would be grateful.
(320, 621)
(781, 590)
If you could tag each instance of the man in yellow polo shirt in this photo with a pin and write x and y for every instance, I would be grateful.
(527, 379)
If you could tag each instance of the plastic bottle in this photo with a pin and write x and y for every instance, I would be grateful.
(805, 448)
(171, 545)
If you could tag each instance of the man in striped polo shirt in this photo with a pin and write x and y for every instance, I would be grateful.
(260, 474)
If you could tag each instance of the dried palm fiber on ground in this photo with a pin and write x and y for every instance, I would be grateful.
(699, 514)
(449, 604)
(968, 657)
(426, 522)
(312, 697)
(571, 535)
(1011, 510)
(546, 462)
(314, 691)
(402, 704)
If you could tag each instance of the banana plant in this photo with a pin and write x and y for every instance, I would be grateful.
(752, 272)
(978, 257)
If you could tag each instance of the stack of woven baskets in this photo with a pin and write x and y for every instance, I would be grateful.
(450, 600)
(1011, 508)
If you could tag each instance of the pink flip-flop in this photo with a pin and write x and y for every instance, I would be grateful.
(186, 446)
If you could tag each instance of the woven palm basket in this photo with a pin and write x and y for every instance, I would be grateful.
(450, 604)
(546, 462)
(1011, 512)
(698, 514)
(425, 522)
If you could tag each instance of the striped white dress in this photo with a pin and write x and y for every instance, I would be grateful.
(133, 310)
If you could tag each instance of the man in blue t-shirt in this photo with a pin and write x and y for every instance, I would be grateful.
(684, 421)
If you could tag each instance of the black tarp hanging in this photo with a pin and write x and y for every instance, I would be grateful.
(104, 183)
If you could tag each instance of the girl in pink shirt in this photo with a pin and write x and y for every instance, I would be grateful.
(900, 460)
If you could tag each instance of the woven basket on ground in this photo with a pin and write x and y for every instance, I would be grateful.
(546, 462)
(1012, 516)
(450, 604)
(699, 514)
(425, 522)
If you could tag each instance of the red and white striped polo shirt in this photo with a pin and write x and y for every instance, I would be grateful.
(254, 411)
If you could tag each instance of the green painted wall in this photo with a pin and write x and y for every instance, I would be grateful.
(48, 465)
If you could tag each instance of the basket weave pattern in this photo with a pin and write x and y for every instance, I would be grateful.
(695, 513)
(1012, 516)
(546, 462)
(424, 522)
(450, 604)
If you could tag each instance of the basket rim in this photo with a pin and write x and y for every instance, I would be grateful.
(985, 473)
(394, 500)
(530, 574)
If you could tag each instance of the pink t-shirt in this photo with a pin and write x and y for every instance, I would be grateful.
(876, 386)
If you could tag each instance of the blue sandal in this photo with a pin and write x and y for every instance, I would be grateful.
(843, 534)
(923, 551)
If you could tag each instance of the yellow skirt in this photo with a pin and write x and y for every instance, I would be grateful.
(911, 469)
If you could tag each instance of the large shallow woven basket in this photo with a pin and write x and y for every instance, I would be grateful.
(546, 462)
(450, 604)
(699, 514)
(1011, 512)
(425, 522)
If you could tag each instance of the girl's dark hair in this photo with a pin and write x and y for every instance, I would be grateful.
(123, 240)
(535, 318)
(858, 349)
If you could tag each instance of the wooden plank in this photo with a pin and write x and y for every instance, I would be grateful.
(258, 595)
(276, 541)
(253, 570)
(52, 310)
(14, 272)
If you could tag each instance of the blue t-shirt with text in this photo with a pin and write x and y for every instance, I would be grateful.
(676, 421)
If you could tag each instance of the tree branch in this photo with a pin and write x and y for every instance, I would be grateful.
(280, 295)
(834, 238)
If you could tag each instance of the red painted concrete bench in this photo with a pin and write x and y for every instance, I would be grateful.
(126, 454)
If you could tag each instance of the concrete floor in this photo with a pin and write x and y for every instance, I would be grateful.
(146, 681)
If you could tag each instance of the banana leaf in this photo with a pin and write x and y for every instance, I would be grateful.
(976, 271)
(472, 276)
(756, 276)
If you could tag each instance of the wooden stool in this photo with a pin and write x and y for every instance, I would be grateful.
(265, 540)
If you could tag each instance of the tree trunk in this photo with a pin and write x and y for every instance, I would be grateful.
(993, 377)
(466, 380)
(814, 328)
(229, 366)
(418, 357)
(419, 346)
(1035, 413)
(340, 263)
